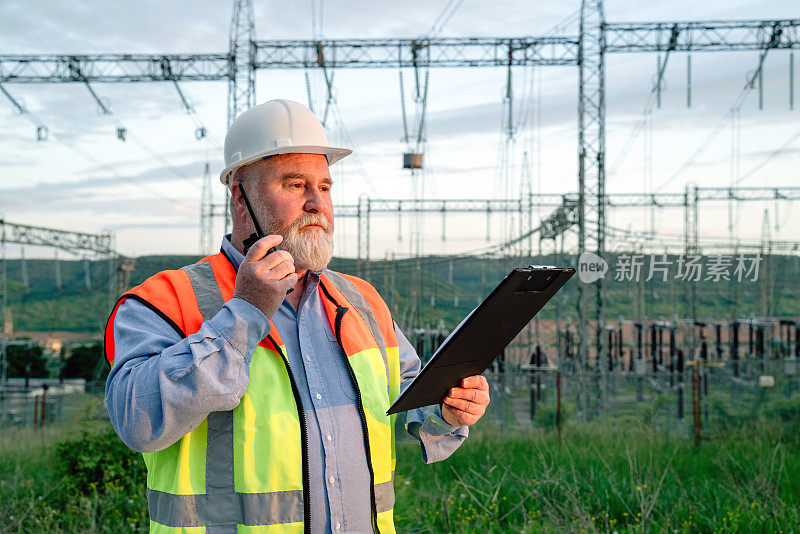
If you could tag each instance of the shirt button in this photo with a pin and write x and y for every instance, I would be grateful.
(338, 525)
(329, 437)
(332, 480)
(319, 397)
(308, 358)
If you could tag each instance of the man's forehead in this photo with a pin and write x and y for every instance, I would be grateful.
(309, 164)
(282, 166)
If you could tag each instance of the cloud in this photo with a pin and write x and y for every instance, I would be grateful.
(151, 226)
(80, 193)
(74, 214)
(87, 26)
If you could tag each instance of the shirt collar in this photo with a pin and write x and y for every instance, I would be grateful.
(231, 252)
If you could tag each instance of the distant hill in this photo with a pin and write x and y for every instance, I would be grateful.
(448, 289)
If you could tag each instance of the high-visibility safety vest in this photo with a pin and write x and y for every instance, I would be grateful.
(246, 470)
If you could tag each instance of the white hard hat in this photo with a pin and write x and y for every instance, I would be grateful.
(275, 127)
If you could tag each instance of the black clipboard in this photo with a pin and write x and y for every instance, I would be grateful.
(483, 334)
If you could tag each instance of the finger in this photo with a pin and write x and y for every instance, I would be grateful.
(463, 418)
(465, 406)
(260, 247)
(282, 270)
(290, 280)
(473, 395)
(475, 381)
(274, 259)
(461, 393)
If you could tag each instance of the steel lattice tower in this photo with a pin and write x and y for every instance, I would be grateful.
(591, 157)
(586, 50)
(241, 96)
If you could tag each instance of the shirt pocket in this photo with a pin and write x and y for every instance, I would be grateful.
(330, 335)
(339, 360)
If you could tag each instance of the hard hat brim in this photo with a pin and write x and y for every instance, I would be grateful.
(333, 154)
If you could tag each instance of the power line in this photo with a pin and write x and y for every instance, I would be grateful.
(123, 132)
(359, 164)
(201, 131)
(444, 17)
(68, 142)
(737, 104)
(766, 160)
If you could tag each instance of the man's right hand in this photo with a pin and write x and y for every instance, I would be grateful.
(263, 279)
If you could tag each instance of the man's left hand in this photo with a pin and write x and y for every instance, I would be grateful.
(465, 405)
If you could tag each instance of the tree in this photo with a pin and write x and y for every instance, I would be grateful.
(27, 360)
(83, 360)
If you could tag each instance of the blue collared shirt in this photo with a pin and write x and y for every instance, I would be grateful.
(154, 397)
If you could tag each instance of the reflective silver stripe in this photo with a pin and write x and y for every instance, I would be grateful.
(206, 289)
(219, 471)
(174, 510)
(250, 509)
(222, 510)
(384, 495)
(355, 297)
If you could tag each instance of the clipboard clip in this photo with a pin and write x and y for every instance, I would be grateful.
(538, 279)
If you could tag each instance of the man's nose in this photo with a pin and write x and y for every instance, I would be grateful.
(315, 202)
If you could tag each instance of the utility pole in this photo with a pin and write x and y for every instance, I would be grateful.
(766, 301)
(3, 305)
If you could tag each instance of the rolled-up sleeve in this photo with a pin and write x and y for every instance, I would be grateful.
(162, 386)
(438, 438)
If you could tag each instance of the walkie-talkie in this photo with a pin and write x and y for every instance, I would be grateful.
(259, 233)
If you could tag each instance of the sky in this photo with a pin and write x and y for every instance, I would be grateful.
(146, 190)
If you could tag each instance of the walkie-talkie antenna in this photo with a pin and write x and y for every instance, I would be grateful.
(259, 232)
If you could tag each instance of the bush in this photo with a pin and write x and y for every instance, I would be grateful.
(99, 461)
(787, 410)
(88, 483)
(102, 483)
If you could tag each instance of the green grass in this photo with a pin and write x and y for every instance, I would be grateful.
(619, 475)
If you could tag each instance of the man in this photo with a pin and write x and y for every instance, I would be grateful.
(256, 382)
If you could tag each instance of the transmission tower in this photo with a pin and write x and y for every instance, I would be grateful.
(587, 51)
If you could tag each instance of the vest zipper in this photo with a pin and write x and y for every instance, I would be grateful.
(340, 311)
(303, 440)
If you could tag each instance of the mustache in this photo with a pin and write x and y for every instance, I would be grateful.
(312, 218)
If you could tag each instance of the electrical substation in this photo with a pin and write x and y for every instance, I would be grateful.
(690, 323)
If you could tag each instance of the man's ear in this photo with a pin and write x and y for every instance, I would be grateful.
(238, 202)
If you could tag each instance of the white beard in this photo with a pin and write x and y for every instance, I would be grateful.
(311, 247)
